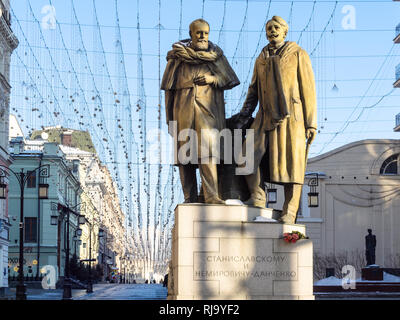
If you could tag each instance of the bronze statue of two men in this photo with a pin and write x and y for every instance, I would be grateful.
(283, 86)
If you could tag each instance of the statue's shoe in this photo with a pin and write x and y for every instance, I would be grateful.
(287, 219)
(215, 200)
(255, 203)
(191, 201)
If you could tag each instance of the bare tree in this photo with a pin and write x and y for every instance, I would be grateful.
(392, 261)
(337, 261)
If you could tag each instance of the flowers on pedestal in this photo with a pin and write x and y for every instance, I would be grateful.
(292, 237)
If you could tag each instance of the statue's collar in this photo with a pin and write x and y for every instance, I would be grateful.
(276, 47)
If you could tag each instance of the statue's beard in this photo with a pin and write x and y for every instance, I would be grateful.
(201, 45)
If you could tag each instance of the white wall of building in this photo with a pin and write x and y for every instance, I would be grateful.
(8, 42)
(354, 196)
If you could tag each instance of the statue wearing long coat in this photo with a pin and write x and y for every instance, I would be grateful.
(193, 106)
(284, 87)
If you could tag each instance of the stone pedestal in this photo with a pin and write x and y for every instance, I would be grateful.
(373, 272)
(220, 252)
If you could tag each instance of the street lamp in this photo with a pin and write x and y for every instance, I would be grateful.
(313, 199)
(3, 188)
(65, 212)
(271, 193)
(53, 220)
(81, 219)
(22, 178)
(78, 231)
(43, 191)
(313, 194)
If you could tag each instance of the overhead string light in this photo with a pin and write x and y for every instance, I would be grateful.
(308, 23)
(36, 61)
(252, 60)
(238, 62)
(158, 200)
(143, 169)
(132, 145)
(348, 121)
(98, 41)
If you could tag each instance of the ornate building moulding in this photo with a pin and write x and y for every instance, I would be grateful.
(4, 86)
(376, 165)
(5, 157)
(10, 37)
(345, 148)
(362, 198)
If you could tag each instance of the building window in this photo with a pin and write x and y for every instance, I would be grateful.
(30, 230)
(31, 183)
(391, 165)
(75, 166)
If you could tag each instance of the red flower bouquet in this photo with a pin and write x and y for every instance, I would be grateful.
(293, 236)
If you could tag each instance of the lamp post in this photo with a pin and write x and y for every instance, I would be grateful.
(22, 177)
(65, 212)
(90, 285)
(89, 288)
(125, 261)
(76, 242)
(120, 268)
(103, 235)
(105, 250)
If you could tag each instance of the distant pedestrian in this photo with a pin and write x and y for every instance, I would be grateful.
(370, 245)
(165, 283)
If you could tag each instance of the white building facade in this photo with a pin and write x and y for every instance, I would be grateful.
(113, 251)
(8, 42)
(359, 189)
(44, 243)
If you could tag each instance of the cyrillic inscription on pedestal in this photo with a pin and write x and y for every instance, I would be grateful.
(219, 252)
(262, 267)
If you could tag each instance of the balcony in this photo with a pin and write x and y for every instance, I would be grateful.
(397, 38)
(397, 83)
(397, 128)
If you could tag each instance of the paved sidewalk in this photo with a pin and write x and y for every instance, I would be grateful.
(126, 292)
(102, 291)
(41, 294)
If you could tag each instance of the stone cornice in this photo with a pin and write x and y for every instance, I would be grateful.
(5, 84)
(5, 156)
(392, 142)
(10, 37)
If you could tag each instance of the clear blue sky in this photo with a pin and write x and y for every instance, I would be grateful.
(360, 62)
(349, 58)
